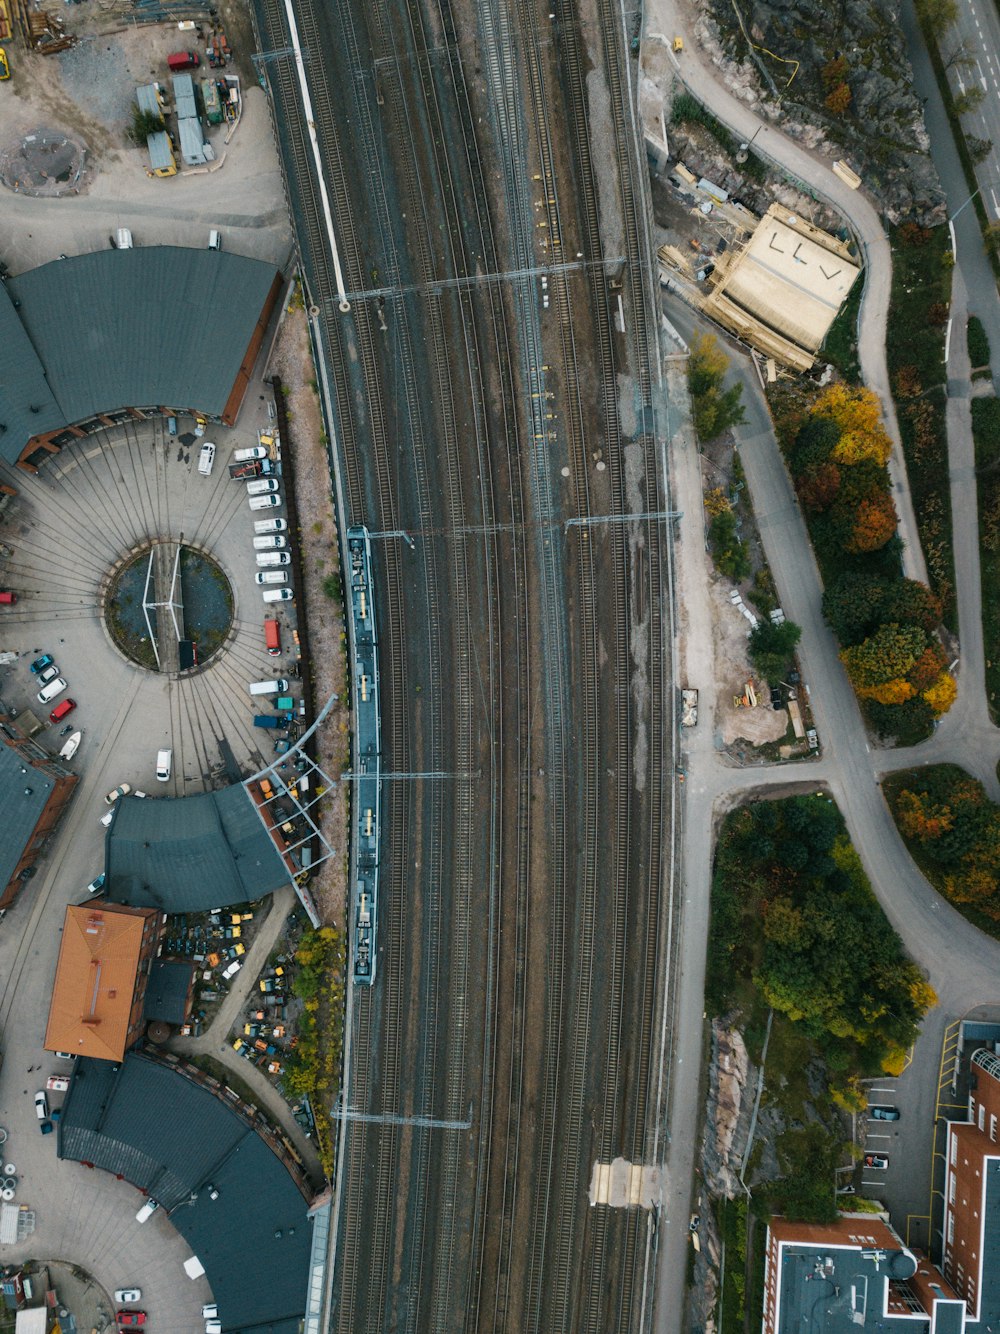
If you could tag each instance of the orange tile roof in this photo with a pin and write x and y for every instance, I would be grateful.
(95, 980)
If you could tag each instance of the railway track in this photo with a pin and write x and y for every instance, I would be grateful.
(419, 54)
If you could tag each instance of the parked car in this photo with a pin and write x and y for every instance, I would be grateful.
(877, 1162)
(251, 452)
(64, 707)
(40, 664)
(7, 598)
(270, 525)
(96, 886)
(4, 65)
(125, 1295)
(129, 1319)
(48, 674)
(45, 1127)
(278, 595)
(256, 503)
(147, 1210)
(41, 1105)
(271, 559)
(163, 758)
(65, 1055)
(776, 701)
(122, 790)
(269, 542)
(262, 486)
(271, 577)
(884, 1113)
(206, 458)
(57, 1083)
(51, 690)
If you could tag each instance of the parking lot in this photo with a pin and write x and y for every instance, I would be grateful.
(67, 527)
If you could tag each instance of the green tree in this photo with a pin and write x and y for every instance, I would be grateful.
(713, 410)
(814, 443)
(771, 648)
(728, 550)
(938, 15)
(979, 149)
(886, 655)
(144, 123)
(968, 100)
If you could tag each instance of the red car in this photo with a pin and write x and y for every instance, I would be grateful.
(8, 598)
(129, 1319)
(61, 710)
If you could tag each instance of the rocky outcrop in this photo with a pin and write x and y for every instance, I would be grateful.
(731, 1089)
(788, 61)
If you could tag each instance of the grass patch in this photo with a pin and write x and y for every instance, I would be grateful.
(921, 282)
(841, 345)
(986, 433)
(979, 348)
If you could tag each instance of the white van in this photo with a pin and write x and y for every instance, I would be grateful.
(163, 758)
(50, 691)
(215, 239)
(262, 486)
(124, 238)
(269, 525)
(206, 458)
(271, 577)
(277, 595)
(147, 1210)
(272, 558)
(269, 542)
(251, 452)
(268, 687)
(264, 502)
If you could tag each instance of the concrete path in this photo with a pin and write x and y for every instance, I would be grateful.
(217, 1040)
(659, 68)
(963, 965)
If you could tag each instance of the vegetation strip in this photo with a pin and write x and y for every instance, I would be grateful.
(986, 433)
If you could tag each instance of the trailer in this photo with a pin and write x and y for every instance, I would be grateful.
(269, 720)
(689, 708)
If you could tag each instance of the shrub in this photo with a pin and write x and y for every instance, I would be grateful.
(728, 550)
(771, 648)
(713, 409)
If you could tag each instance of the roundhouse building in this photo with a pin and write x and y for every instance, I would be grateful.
(94, 340)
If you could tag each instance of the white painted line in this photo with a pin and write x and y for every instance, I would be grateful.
(996, 206)
(307, 109)
(870, 1135)
(982, 80)
(879, 1090)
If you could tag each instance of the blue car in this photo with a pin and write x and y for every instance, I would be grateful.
(40, 664)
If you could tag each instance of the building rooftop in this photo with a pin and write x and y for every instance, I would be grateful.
(191, 854)
(124, 328)
(167, 990)
(95, 980)
(168, 1132)
(25, 792)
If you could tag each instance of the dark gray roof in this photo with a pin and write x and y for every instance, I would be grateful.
(144, 327)
(167, 990)
(24, 798)
(189, 854)
(172, 1138)
(22, 385)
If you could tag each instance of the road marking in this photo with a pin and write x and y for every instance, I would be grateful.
(871, 1136)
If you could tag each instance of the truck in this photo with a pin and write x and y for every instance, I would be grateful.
(249, 468)
(269, 720)
(689, 708)
(272, 637)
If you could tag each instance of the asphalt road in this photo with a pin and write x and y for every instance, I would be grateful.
(975, 38)
(961, 963)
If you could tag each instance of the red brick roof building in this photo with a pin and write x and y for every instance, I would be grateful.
(972, 1195)
(855, 1273)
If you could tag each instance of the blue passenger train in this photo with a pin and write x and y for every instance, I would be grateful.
(366, 803)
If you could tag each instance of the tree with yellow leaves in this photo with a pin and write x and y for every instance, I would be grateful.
(941, 695)
(857, 413)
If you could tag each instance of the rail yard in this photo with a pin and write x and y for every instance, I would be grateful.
(486, 336)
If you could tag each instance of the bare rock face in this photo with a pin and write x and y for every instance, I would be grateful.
(730, 1102)
(837, 79)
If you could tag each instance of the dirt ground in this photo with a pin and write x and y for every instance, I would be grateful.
(730, 629)
(291, 359)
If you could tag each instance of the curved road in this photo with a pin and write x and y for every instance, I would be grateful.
(961, 963)
(658, 67)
